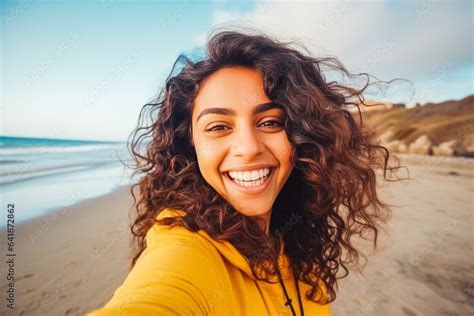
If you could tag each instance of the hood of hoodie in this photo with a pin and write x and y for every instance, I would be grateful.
(231, 254)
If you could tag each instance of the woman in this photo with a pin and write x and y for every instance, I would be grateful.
(256, 180)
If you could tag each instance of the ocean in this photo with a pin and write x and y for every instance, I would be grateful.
(41, 175)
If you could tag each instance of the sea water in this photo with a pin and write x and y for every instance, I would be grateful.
(43, 175)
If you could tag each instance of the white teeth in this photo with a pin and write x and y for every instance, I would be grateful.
(246, 175)
(250, 178)
(254, 175)
(250, 183)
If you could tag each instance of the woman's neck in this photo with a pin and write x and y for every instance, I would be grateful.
(265, 225)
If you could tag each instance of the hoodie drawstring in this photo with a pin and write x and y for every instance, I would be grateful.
(288, 299)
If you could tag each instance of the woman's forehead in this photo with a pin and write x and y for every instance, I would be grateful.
(236, 88)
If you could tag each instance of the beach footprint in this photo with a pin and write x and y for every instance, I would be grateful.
(77, 283)
(72, 311)
(408, 311)
(26, 276)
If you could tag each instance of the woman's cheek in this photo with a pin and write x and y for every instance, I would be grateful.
(282, 148)
(209, 158)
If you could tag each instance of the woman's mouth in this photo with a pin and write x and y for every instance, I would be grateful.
(252, 182)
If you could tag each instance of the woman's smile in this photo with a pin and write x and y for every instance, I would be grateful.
(250, 182)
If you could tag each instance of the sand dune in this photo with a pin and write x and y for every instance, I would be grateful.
(449, 121)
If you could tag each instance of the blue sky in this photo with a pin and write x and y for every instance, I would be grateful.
(84, 69)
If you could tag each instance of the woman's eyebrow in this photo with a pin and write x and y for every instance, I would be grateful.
(225, 111)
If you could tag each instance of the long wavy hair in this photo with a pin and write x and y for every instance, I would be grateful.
(329, 198)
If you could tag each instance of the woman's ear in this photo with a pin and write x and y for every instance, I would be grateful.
(190, 135)
(191, 141)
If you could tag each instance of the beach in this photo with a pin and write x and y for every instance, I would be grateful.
(424, 263)
(70, 261)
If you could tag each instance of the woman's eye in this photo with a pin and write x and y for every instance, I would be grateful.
(217, 128)
(221, 128)
(272, 123)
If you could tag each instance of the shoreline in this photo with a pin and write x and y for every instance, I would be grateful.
(53, 213)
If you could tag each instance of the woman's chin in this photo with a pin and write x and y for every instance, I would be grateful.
(254, 210)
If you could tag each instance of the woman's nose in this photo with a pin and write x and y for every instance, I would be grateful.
(246, 143)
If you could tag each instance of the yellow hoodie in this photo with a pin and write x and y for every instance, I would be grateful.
(188, 273)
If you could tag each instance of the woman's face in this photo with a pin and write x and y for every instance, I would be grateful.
(242, 149)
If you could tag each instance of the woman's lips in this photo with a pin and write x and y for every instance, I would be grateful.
(251, 189)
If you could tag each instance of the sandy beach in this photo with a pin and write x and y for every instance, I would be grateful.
(424, 264)
(70, 261)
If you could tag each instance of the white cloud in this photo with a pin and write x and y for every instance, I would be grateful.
(405, 39)
(200, 39)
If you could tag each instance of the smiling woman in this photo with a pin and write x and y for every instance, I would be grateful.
(255, 182)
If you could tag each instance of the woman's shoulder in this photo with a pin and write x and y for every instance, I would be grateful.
(176, 236)
(174, 240)
(176, 272)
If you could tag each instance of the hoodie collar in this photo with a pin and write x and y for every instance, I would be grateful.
(231, 254)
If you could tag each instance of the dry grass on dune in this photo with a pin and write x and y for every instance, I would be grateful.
(450, 121)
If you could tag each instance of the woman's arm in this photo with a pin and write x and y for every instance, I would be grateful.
(173, 276)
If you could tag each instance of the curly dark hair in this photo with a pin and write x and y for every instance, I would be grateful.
(330, 196)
